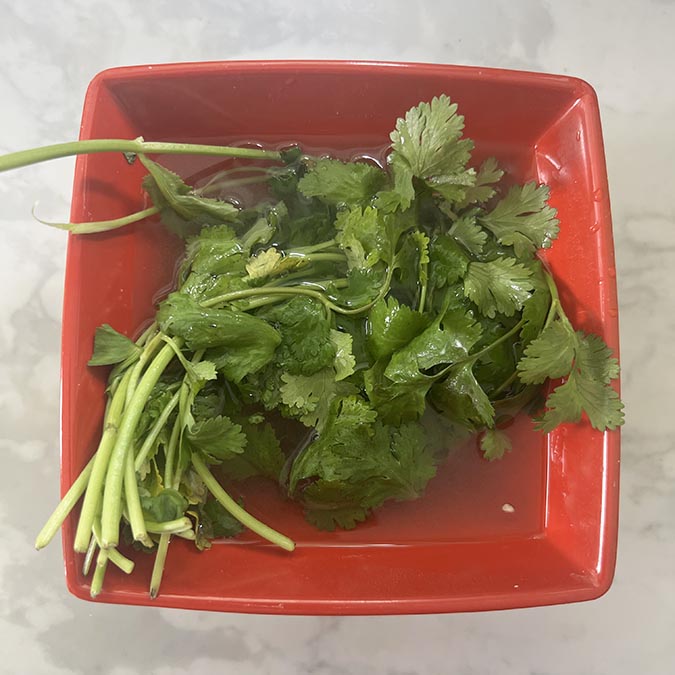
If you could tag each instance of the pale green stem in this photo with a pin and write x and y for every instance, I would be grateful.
(151, 438)
(99, 572)
(92, 497)
(158, 567)
(133, 502)
(51, 527)
(15, 160)
(245, 518)
(112, 496)
(101, 225)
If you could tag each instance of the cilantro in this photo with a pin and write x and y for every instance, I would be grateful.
(499, 286)
(494, 444)
(523, 220)
(393, 325)
(111, 347)
(391, 312)
(588, 365)
(176, 201)
(305, 346)
(427, 144)
(217, 437)
(262, 455)
(338, 182)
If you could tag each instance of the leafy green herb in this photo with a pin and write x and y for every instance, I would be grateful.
(338, 337)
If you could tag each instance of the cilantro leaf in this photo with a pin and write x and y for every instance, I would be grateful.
(165, 506)
(270, 263)
(395, 402)
(393, 325)
(535, 312)
(309, 397)
(262, 455)
(203, 327)
(363, 286)
(447, 339)
(499, 286)
(494, 443)
(589, 366)
(344, 358)
(360, 235)
(523, 220)
(337, 182)
(356, 464)
(215, 521)
(488, 175)
(550, 355)
(111, 347)
(218, 438)
(466, 231)
(427, 144)
(305, 346)
(215, 250)
(461, 398)
(448, 262)
(177, 202)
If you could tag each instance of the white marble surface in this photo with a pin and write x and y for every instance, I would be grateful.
(49, 52)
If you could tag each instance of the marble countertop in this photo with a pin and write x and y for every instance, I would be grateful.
(50, 51)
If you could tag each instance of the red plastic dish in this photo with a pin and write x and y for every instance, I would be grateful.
(462, 547)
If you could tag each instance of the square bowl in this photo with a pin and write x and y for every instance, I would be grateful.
(538, 527)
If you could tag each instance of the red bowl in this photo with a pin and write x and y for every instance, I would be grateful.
(462, 547)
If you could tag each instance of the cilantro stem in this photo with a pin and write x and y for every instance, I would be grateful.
(65, 506)
(173, 444)
(112, 503)
(99, 572)
(115, 557)
(493, 344)
(319, 257)
(216, 187)
(304, 250)
(152, 436)
(101, 225)
(148, 350)
(507, 382)
(133, 502)
(92, 497)
(169, 526)
(237, 511)
(89, 556)
(158, 567)
(15, 160)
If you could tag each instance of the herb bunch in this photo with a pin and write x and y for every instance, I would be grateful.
(385, 311)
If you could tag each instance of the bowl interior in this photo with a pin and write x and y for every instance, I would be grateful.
(459, 547)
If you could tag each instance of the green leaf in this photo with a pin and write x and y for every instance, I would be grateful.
(309, 397)
(448, 261)
(363, 286)
(261, 457)
(356, 464)
(393, 326)
(270, 263)
(337, 182)
(305, 346)
(550, 355)
(345, 362)
(462, 400)
(215, 250)
(494, 444)
(488, 175)
(165, 506)
(500, 286)
(217, 522)
(427, 144)
(523, 220)
(588, 387)
(466, 231)
(535, 312)
(218, 438)
(448, 339)
(395, 402)
(202, 328)
(177, 202)
(111, 347)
